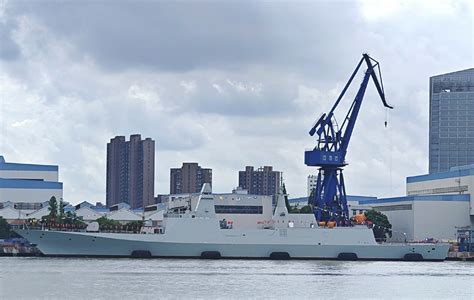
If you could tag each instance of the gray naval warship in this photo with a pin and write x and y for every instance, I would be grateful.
(199, 234)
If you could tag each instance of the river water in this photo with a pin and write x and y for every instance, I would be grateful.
(81, 278)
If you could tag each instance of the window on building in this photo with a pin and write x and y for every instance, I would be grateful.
(238, 209)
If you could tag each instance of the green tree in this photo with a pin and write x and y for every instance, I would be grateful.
(72, 219)
(303, 210)
(382, 227)
(306, 210)
(311, 196)
(61, 209)
(104, 222)
(136, 224)
(4, 229)
(53, 209)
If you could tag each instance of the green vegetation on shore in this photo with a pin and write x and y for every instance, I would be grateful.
(5, 230)
(382, 227)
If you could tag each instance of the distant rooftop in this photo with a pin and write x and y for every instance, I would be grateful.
(466, 72)
(7, 166)
(454, 172)
(460, 197)
(6, 183)
(350, 198)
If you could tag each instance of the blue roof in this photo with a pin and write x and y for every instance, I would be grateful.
(25, 167)
(456, 172)
(359, 198)
(349, 198)
(458, 197)
(299, 199)
(29, 184)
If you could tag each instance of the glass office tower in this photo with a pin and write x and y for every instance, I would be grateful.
(451, 120)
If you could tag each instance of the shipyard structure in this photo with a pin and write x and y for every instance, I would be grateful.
(437, 206)
(440, 204)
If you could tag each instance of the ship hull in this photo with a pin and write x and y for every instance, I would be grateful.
(297, 244)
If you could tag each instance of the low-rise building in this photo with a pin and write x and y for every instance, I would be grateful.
(425, 216)
(436, 205)
(27, 187)
(458, 180)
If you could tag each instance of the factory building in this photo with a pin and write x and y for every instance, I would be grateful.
(25, 188)
(424, 217)
(436, 206)
(458, 180)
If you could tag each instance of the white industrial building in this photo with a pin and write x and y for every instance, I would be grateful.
(436, 205)
(424, 217)
(26, 187)
(459, 180)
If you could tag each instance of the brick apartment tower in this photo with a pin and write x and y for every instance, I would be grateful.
(130, 171)
(189, 178)
(263, 181)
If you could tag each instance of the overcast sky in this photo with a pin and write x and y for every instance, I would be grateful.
(225, 84)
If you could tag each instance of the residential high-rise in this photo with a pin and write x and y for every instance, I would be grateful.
(263, 181)
(451, 120)
(130, 171)
(189, 178)
(312, 179)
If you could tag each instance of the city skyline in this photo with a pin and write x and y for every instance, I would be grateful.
(222, 92)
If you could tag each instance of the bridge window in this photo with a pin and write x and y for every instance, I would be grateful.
(239, 209)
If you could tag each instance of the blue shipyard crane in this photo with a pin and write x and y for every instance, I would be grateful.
(329, 197)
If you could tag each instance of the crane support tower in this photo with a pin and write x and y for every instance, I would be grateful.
(329, 197)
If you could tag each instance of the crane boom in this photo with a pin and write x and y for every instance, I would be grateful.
(329, 198)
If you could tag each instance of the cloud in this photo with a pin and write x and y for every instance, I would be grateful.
(224, 84)
(181, 37)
